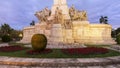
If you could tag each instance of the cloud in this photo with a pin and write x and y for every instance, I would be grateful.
(20, 13)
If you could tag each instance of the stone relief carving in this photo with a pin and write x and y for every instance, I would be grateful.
(43, 15)
(58, 16)
(67, 24)
(77, 15)
(83, 15)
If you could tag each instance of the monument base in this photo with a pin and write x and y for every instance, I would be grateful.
(82, 32)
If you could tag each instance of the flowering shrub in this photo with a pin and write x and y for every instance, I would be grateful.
(11, 48)
(35, 52)
(85, 51)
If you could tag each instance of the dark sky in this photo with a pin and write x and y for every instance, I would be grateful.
(19, 13)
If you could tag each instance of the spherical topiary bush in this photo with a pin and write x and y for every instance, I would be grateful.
(6, 38)
(39, 42)
(118, 38)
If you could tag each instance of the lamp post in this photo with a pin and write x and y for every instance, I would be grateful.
(20, 36)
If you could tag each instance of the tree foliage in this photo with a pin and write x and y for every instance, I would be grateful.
(115, 32)
(118, 39)
(103, 20)
(5, 29)
(32, 23)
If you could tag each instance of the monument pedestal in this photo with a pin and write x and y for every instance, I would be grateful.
(80, 31)
(56, 33)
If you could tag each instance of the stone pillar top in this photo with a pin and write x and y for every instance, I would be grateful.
(62, 5)
(60, 2)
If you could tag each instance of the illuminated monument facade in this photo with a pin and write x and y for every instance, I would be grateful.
(67, 25)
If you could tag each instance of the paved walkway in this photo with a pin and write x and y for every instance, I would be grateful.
(114, 47)
(4, 44)
(113, 62)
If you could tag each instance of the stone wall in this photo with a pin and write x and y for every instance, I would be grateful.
(86, 33)
(82, 32)
(28, 32)
(101, 34)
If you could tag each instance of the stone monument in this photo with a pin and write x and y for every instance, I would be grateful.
(67, 25)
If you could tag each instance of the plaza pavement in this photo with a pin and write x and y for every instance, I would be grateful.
(14, 62)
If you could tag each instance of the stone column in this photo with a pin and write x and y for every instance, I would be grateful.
(62, 5)
(57, 33)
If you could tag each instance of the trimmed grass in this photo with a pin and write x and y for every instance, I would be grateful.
(56, 54)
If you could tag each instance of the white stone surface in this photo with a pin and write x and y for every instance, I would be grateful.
(62, 4)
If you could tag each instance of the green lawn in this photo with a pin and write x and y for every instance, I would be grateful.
(56, 54)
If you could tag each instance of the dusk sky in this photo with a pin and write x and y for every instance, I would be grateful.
(19, 13)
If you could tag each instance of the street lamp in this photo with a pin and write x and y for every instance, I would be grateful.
(20, 35)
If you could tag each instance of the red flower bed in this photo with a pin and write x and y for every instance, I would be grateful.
(11, 48)
(85, 51)
(35, 52)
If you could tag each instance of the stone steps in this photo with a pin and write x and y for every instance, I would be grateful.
(68, 62)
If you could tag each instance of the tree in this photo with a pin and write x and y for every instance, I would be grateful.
(113, 33)
(15, 34)
(117, 31)
(32, 23)
(5, 29)
(118, 38)
(103, 20)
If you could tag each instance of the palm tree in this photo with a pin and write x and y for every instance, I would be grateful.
(32, 23)
(106, 19)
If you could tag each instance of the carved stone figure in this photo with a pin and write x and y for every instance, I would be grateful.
(84, 16)
(43, 15)
(67, 24)
(58, 16)
(46, 12)
(77, 15)
(72, 12)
